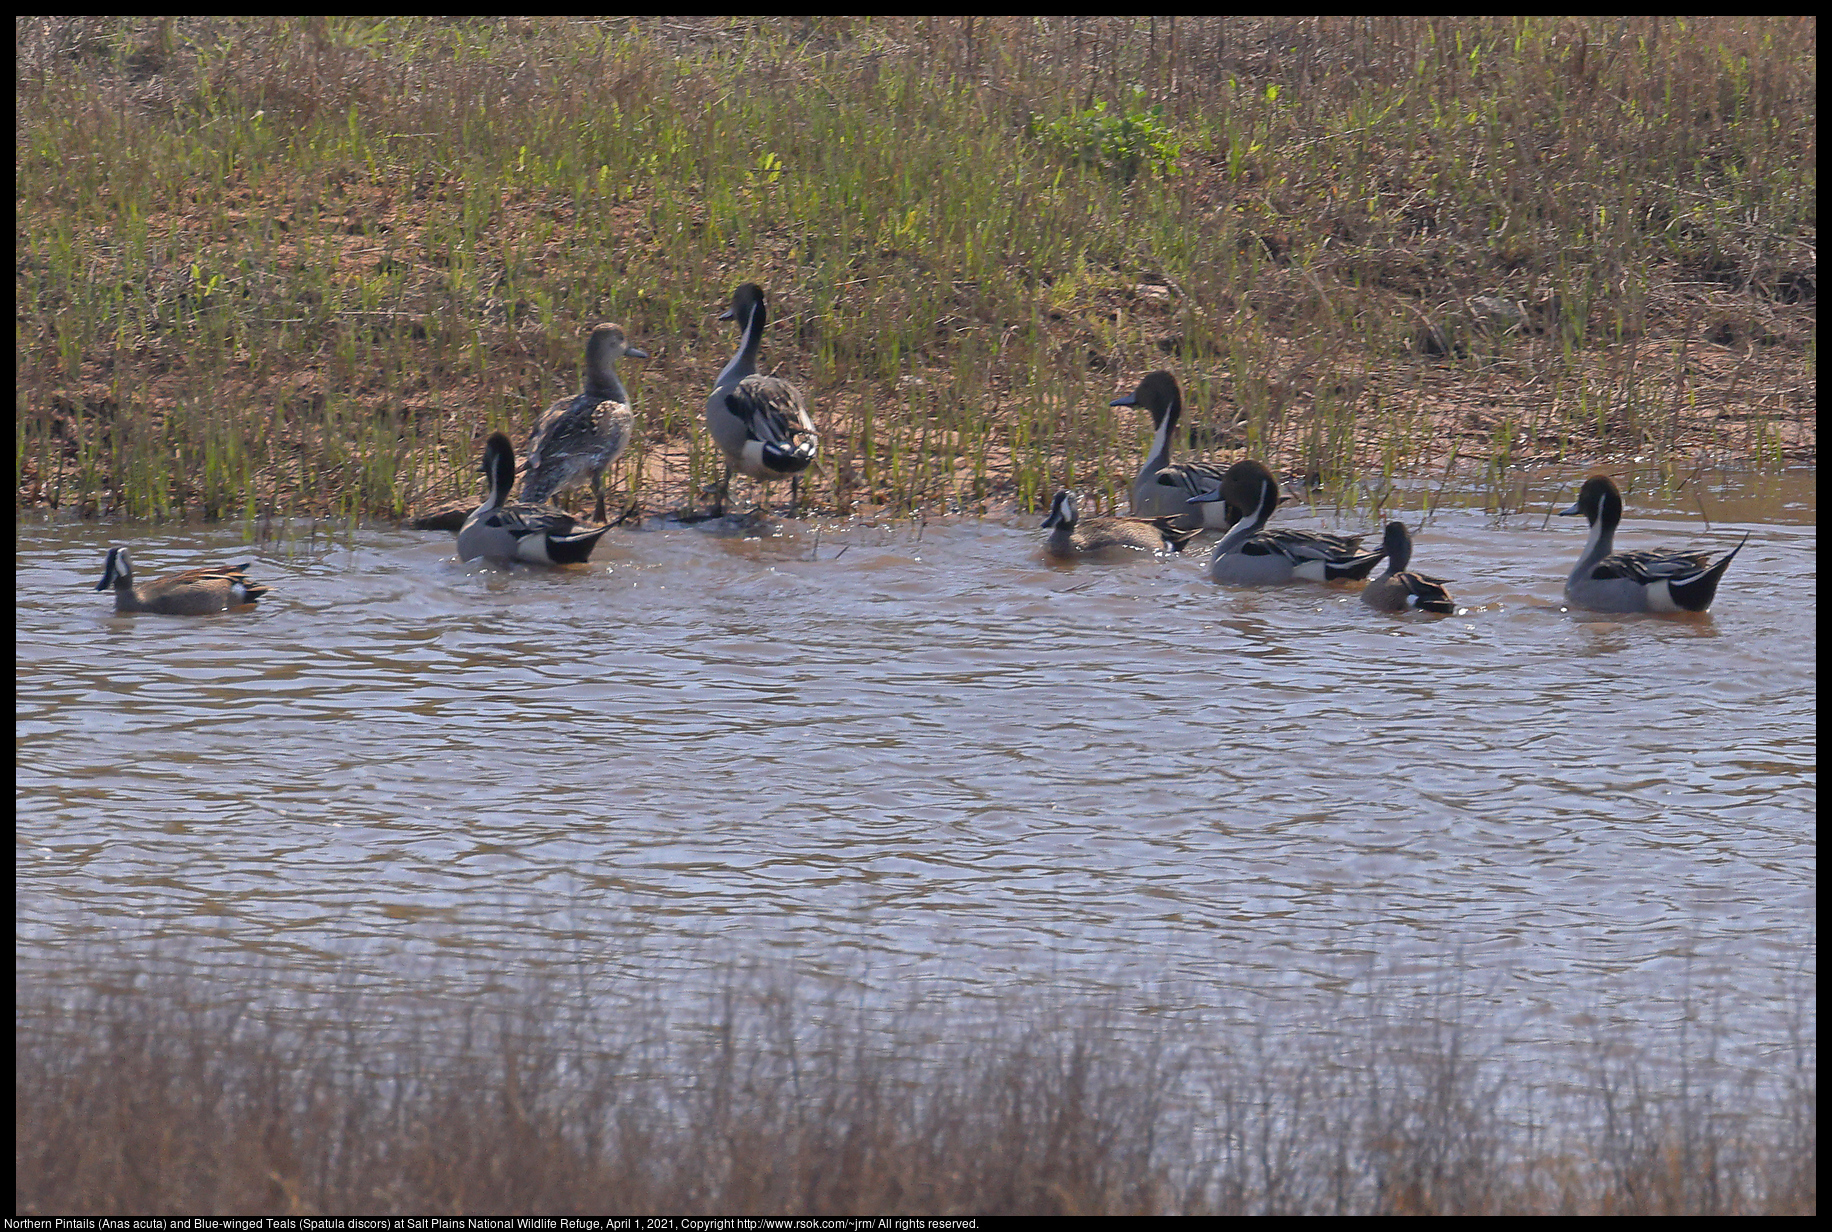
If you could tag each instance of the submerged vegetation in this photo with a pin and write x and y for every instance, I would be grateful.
(305, 265)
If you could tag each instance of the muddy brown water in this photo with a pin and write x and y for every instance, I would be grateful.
(893, 753)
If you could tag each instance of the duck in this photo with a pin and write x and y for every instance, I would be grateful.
(1251, 555)
(579, 437)
(756, 420)
(195, 592)
(1399, 589)
(1163, 489)
(502, 532)
(1656, 581)
(1076, 536)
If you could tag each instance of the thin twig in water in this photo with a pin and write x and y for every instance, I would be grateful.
(1698, 497)
(1547, 520)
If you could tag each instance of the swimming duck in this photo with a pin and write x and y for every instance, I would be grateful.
(1657, 581)
(195, 592)
(755, 419)
(1075, 536)
(1251, 555)
(1161, 488)
(581, 436)
(534, 533)
(1398, 589)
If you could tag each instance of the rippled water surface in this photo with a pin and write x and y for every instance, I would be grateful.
(904, 752)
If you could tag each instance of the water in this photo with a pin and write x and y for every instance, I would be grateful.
(901, 756)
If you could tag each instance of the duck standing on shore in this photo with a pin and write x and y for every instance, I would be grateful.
(756, 420)
(579, 437)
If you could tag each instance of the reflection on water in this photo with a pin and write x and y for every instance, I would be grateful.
(923, 753)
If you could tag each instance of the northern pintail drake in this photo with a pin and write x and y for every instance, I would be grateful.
(755, 420)
(579, 437)
(502, 532)
(1077, 536)
(1251, 555)
(1164, 490)
(195, 592)
(1399, 589)
(1657, 581)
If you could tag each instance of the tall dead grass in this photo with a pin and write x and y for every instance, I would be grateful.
(142, 1094)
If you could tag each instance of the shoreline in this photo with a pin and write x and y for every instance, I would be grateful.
(256, 278)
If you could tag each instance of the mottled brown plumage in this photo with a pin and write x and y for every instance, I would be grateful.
(579, 437)
(1401, 590)
(1074, 535)
(195, 592)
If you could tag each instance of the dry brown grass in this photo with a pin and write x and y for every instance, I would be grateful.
(147, 1094)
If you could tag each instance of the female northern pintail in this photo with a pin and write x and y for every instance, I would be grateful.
(1076, 536)
(503, 532)
(579, 437)
(1657, 581)
(1251, 555)
(1161, 488)
(755, 420)
(1400, 590)
(195, 592)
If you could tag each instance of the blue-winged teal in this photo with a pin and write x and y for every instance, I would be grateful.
(1074, 535)
(195, 592)
(1399, 589)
